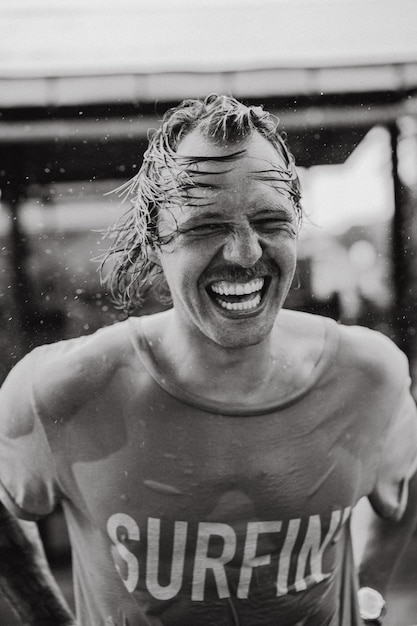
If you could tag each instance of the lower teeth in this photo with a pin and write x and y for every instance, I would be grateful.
(240, 306)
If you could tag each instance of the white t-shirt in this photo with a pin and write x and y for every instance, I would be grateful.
(183, 512)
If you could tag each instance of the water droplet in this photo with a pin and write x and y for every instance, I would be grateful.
(162, 488)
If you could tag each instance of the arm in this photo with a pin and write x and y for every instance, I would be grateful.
(25, 578)
(386, 541)
(390, 523)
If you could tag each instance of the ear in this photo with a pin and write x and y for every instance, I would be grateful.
(154, 255)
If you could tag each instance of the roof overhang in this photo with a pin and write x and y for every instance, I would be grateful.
(41, 151)
(58, 91)
(81, 85)
(111, 145)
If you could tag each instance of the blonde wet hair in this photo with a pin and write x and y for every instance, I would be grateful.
(165, 178)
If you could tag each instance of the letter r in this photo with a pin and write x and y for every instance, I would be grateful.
(203, 562)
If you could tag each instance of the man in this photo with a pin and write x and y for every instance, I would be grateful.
(208, 457)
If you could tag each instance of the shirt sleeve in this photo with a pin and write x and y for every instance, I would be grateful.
(28, 482)
(398, 460)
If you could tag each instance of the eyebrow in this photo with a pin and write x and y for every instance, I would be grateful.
(264, 213)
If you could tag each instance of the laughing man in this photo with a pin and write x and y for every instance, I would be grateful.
(208, 457)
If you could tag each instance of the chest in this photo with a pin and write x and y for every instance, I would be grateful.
(177, 466)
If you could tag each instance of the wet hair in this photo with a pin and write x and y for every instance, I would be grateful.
(165, 178)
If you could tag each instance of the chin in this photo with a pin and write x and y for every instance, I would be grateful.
(238, 340)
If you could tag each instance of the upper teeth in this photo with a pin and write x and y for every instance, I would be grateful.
(224, 288)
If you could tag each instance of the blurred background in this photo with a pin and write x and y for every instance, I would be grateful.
(83, 81)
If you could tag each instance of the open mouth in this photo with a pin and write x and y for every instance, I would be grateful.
(239, 296)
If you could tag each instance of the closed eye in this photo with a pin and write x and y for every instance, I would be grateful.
(272, 225)
(204, 229)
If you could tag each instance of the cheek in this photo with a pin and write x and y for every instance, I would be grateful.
(284, 251)
(292, 254)
(180, 269)
(184, 259)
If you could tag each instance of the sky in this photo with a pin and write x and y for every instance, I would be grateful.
(359, 192)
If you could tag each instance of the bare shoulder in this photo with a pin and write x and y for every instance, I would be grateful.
(156, 325)
(67, 374)
(372, 352)
(106, 347)
(303, 333)
(296, 322)
(369, 351)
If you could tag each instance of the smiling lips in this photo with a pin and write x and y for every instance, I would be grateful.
(235, 296)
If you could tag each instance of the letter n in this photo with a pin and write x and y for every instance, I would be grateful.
(313, 548)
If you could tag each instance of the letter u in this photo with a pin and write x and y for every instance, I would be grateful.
(152, 561)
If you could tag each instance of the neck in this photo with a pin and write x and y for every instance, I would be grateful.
(227, 374)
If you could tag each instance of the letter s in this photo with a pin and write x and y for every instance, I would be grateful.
(120, 520)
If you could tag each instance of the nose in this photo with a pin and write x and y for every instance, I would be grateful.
(243, 247)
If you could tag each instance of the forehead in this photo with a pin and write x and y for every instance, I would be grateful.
(255, 147)
(249, 171)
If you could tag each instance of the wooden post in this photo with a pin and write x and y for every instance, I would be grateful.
(400, 252)
(21, 313)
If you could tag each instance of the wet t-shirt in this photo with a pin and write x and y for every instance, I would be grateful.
(183, 512)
